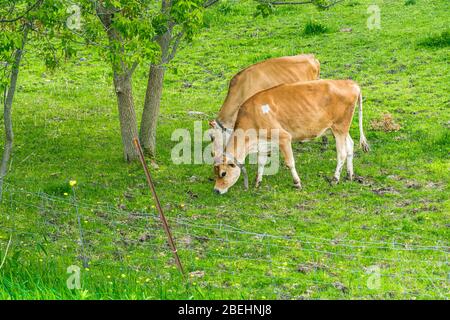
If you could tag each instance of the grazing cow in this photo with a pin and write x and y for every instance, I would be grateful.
(256, 78)
(299, 111)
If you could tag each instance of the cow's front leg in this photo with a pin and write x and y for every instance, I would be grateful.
(286, 150)
(262, 160)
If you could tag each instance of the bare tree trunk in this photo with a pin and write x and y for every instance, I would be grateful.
(153, 94)
(127, 115)
(9, 134)
(168, 43)
(147, 134)
(122, 84)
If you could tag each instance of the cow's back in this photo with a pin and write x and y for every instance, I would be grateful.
(265, 75)
(302, 108)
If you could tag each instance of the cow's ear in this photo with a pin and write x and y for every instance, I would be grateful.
(212, 124)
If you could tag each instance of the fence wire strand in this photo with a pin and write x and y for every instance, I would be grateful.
(214, 253)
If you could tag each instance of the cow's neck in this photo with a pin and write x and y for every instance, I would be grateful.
(228, 112)
(238, 150)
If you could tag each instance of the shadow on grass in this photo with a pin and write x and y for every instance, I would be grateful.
(441, 40)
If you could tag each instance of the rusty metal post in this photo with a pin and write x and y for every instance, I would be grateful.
(158, 205)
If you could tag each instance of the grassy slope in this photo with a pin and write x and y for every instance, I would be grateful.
(66, 128)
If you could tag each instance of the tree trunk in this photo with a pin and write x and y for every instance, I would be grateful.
(9, 134)
(122, 83)
(147, 134)
(127, 115)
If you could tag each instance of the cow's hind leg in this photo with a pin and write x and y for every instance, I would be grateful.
(349, 148)
(341, 149)
(286, 149)
(324, 143)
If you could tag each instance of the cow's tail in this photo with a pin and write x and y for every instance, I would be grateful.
(362, 138)
(315, 64)
(318, 66)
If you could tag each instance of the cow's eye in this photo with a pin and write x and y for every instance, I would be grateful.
(232, 165)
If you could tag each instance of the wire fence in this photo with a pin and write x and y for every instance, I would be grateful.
(223, 256)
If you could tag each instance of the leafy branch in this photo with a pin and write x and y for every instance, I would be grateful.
(23, 15)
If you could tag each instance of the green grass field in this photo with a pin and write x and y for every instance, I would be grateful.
(384, 236)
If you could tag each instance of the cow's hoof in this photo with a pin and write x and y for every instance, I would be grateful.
(298, 186)
(334, 181)
(349, 177)
(257, 184)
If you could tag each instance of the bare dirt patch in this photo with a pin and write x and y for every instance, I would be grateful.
(385, 190)
(310, 267)
(386, 123)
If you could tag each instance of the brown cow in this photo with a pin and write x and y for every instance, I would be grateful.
(256, 78)
(299, 111)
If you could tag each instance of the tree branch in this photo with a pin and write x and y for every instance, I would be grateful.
(133, 68)
(36, 4)
(209, 3)
(331, 4)
(106, 18)
(177, 38)
(280, 3)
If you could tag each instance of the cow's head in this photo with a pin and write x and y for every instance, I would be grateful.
(219, 138)
(227, 173)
